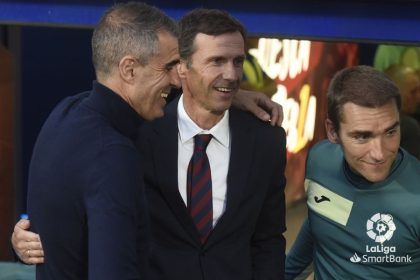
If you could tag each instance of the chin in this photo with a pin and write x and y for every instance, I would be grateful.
(223, 106)
(376, 178)
(159, 115)
(153, 115)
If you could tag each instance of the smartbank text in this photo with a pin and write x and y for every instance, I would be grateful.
(387, 258)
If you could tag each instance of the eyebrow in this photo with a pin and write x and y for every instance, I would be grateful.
(172, 63)
(214, 57)
(397, 123)
(368, 133)
(211, 58)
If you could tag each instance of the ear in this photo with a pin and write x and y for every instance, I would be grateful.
(182, 68)
(331, 133)
(126, 68)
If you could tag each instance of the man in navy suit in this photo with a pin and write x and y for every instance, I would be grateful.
(85, 193)
(246, 156)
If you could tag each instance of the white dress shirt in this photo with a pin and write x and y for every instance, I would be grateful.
(218, 153)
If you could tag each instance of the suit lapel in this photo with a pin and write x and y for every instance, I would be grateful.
(242, 149)
(165, 147)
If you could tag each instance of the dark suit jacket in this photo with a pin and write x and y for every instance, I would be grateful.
(247, 242)
(85, 194)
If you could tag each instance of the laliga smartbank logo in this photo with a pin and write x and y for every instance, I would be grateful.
(380, 228)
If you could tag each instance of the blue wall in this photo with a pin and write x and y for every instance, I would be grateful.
(377, 20)
(55, 62)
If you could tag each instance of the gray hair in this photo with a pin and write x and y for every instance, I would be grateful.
(128, 29)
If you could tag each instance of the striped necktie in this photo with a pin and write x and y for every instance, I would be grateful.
(199, 187)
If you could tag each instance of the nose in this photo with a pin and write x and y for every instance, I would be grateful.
(377, 150)
(231, 72)
(174, 78)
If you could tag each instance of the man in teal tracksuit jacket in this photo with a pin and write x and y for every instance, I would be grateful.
(362, 189)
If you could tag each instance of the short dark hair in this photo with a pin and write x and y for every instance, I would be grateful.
(206, 21)
(128, 29)
(362, 85)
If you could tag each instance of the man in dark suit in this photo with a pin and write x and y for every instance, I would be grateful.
(246, 158)
(85, 169)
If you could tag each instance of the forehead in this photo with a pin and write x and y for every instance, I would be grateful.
(224, 44)
(360, 118)
(168, 48)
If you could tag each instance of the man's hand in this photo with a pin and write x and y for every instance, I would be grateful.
(260, 105)
(27, 244)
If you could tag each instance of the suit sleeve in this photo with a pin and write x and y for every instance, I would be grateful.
(115, 213)
(268, 242)
(300, 256)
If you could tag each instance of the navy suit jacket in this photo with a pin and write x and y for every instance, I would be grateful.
(85, 194)
(247, 242)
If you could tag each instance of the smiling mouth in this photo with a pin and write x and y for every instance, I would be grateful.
(164, 94)
(376, 164)
(226, 89)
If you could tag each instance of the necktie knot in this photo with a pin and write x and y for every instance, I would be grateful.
(201, 141)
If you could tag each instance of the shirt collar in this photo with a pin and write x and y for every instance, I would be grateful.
(115, 109)
(188, 128)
